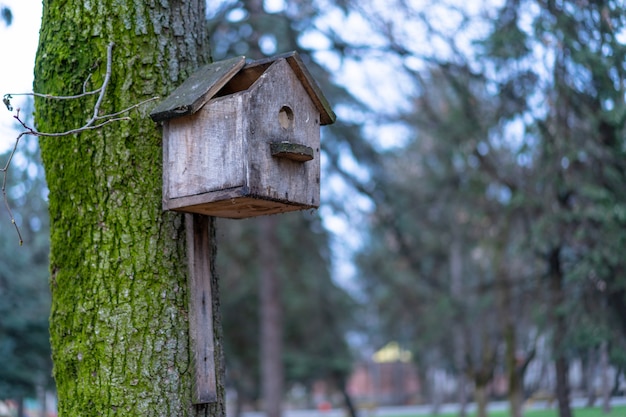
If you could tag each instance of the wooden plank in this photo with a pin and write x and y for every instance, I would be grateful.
(290, 150)
(227, 195)
(205, 151)
(235, 208)
(196, 90)
(201, 309)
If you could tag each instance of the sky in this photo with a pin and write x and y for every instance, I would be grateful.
(18, 45)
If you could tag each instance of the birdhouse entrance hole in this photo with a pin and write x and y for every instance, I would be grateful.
(285, 117)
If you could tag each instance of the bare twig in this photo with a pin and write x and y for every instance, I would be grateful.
(105, 83)
(94, 122)
(4, 187)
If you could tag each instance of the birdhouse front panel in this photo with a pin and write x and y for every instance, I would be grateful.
(205, 151)
(281, 112)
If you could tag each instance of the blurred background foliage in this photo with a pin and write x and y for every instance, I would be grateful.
(24, 293)
(473, 202)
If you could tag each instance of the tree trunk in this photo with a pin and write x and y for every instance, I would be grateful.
(560, 330)
(482, 399)
(119, 319)
(271, 320)
(589, 373)
(482, 376)
(341, 384)
(504, 291)
(462, 395)
(456, 290)
(604, 375)
(434, 390)
(515, 373)
(20, 406)
(562, 386)
(516, 402)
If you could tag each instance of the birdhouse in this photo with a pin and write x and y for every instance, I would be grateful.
(243, 140)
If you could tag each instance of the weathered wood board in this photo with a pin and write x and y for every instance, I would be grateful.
(191, 95)
(201, 340)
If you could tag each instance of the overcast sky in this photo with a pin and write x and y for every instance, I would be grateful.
(18, 44)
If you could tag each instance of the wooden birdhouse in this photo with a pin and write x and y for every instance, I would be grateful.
(243, 140)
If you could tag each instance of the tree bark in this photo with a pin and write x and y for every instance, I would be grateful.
(20, 406)
(505, 297)
(271, 320)
(482, 375)
(604, 375)
(434, 390)
(456, 291)
(481, 396)
(119, 328)
(589, 373)
(514, 368)
(515, 373)
(560, 331)
(341, 384)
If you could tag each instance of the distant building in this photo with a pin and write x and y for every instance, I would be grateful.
(389, 377)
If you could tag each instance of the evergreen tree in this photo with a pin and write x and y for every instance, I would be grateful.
(6, 14)
(538, 110)
(24, 293)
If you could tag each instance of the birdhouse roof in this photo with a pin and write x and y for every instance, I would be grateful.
(205, 83)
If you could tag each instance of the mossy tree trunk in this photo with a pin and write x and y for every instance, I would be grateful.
(119, 328)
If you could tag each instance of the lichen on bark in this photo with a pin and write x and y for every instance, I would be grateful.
(119, 328)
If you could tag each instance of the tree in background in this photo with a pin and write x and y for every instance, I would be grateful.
(24, 292)
(119, 328)
(316, 313)
(538, 107)
(577, 153)
(442, 234)
(6, 14)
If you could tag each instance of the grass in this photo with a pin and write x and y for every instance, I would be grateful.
(618, 411)
(577, 412)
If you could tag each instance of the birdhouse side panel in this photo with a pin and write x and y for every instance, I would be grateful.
(205, 151)
(282, 111)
